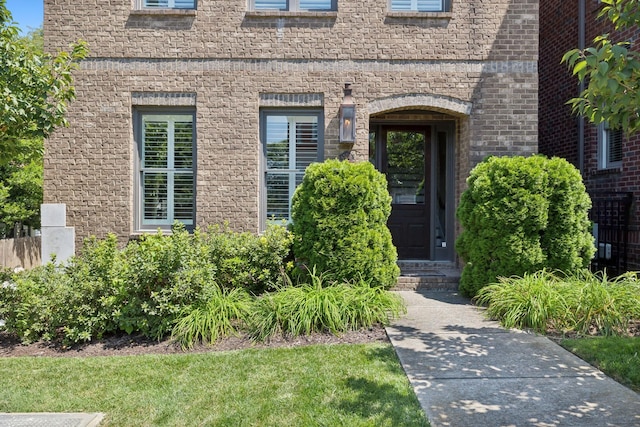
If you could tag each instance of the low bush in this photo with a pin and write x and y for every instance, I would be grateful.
(144, 288)
(586, 303)
(255, 263)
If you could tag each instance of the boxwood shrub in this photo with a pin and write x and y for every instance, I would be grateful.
(520, 215)
(339, 214)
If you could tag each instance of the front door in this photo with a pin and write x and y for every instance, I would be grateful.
(405, 159)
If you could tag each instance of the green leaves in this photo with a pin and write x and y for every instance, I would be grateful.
(520, 215)
(35, 88)
(339, 219)
(611, 73)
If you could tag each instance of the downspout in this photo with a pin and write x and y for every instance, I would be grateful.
(581, 45)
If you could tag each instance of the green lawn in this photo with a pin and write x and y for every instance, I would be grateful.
(338, 385)
(617, 357)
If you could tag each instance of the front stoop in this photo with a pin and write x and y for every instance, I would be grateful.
(428, 275)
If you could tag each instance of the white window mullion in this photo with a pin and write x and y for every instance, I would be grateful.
(170, 197)
(292, 160)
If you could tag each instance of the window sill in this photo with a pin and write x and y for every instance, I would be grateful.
(607, 171)
(164, 12)
(285, 14)
(429, 19)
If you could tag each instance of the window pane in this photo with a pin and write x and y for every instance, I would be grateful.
(183, 145)
(184, 4)
(156, 3)
(278, 196)
(418, 5)
(155, 144)
(315, 4)
(177, 4)
(271, 4)
(183, 198)
(614, 146)
(430, 5)
(306, 144)
(277, 138)
(155, 195)
(406, 167)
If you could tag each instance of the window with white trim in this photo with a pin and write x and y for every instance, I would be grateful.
(167, 4)
(294, 5)
(609, 147)
(419, 5)
(291, 141)
(165, 178)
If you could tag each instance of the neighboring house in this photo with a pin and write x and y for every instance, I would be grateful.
(608, 159)
(208, 111)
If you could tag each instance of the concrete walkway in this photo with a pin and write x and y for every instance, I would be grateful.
(50, 420)
(468, 371)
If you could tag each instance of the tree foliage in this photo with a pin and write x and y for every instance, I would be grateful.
(35, 87)
(611, 71)
(21, 188)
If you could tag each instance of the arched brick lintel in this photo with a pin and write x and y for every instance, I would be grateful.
(444, 104)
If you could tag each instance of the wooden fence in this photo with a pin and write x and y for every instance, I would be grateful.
(22, 252)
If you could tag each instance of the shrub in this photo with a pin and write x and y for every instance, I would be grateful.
(520, 215)
(314, 307)
(73, 303)
(159, 277)
(339, 217)
(219, 317)
(245, 260)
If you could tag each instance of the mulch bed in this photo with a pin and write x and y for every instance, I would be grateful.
(130, 345)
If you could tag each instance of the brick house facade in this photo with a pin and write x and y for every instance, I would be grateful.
(208, 111)
(609, 160)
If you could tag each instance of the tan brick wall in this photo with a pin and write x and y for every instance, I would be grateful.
(483, 58)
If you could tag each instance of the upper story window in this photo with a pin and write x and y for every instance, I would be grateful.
(609, 147)
(168, 4)
(419, 5)
(294, 5)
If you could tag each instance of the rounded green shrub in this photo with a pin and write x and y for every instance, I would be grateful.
(520, 215)
(339, 214)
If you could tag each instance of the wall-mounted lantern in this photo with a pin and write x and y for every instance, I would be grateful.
(347, 116)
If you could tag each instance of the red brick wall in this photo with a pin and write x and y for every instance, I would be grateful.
(558, 129)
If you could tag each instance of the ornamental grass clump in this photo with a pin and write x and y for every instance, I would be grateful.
(224, 314)
(533, 301)
(585, 303)
(313, 307)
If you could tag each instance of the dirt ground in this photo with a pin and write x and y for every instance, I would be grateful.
(127, 345)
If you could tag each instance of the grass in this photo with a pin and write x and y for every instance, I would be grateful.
(307, 308)
(584, 303)
(354, 385)
(618, 357)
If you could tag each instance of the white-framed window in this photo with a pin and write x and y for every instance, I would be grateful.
(291, 141)
(167, 4)
(294, 5)
(165, 169)
(419, 5)
(609, 147)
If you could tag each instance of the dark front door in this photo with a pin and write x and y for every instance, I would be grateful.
(405, 160)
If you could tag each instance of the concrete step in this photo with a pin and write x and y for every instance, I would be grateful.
(430, 275)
